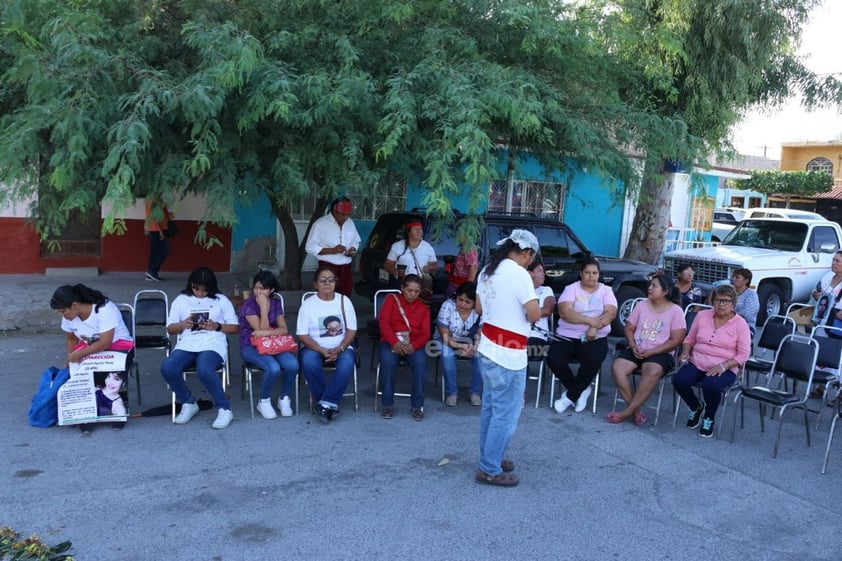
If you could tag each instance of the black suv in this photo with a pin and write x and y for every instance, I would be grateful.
(561, 251)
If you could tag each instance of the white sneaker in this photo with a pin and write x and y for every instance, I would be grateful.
(562, 403)
(223, 419)
(264, 407)
(582, 402)
(284, 406)
(188, 411)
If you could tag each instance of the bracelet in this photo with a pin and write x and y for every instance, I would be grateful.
(722, 368)
(341, 349)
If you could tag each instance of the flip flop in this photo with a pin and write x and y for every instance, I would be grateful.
(640, 418)
(500, 480)
(614, 417)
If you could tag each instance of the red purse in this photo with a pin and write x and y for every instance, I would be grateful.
(274, 344)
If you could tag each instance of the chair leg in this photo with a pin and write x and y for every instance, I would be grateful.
(660, 398)
(356, 391)
(376, 387)
(297, 397)
(807, 426)
(829, 442)
(596, 388)
(540, 383)
(136, 367)
(250, 382)
(780, 428)
(552, 389)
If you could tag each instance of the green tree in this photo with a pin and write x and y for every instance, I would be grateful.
(797, 183)
(701, 63)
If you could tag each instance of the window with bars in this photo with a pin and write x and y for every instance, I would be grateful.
(538, 198)
(820, 164)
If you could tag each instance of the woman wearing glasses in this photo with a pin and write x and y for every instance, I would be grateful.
(201, 316)
(718, 344)
(327, 325)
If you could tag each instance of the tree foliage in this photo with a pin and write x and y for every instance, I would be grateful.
(108, 100)
(803, 183)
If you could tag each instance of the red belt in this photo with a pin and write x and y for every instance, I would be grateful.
(504, 337)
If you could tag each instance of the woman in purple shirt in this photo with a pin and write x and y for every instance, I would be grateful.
(718, 344)
(262, 314)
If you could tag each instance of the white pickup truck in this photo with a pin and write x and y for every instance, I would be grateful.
(787, 259)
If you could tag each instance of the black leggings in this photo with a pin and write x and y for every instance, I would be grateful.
(589, 354)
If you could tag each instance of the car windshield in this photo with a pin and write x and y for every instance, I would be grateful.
(768, 234)
(556, 243)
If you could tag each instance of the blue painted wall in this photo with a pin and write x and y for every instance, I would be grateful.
(255, 219)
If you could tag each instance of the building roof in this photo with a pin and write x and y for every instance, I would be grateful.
(835, 193)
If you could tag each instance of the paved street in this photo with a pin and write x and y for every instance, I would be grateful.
(367, 488)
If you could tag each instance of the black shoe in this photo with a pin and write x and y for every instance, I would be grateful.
(695, 418)
(324, 414)
(707, 428)
(151, 277)
(86, 428)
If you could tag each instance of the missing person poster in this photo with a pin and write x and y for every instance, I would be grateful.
(96, 391)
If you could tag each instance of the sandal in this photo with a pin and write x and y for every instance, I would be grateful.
(387, 413)
(500, 480)
(507, 465)
(640, 418)
(614, 417)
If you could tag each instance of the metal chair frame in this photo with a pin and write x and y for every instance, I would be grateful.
(150, 310)
(128, 310)
(794, 361)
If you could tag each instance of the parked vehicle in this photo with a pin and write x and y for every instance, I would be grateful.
(791, 213)
(561, 252)
(724, 220)
(787, 257)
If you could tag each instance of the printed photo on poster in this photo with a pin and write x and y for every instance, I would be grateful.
(96, 391)
(332, 326)
(199, 317)
(822, 310)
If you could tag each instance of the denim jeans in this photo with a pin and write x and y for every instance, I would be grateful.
(312, 364)
(272, 365)
(158, 251)
(502, 397)
(712, 386)
(389, 366)
(206, 363)
(448, 367)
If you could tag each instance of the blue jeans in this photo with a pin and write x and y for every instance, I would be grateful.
(272, 365)
(502, 397)
(712, 386)
(389, 366)
(448, 367)
(206, 363)
(312, 364)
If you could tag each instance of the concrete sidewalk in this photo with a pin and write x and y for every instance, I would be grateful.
(366, 488)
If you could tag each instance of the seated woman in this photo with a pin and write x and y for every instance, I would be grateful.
(201, 316)
(327, 325)
(690, 292)
(546, 301)
(458, 330)
(404, 330)
(586, 309)
(718, 344)
(262, 315)
(92, 324)
(654, 330)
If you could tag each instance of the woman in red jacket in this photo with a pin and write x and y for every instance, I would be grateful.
(404, 331)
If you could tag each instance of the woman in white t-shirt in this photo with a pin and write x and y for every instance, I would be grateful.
(507, 302)
(91, 321)
(655, 328)
(201, 316)
(412, 255)
(326, 327)
(546, 302)
(586, 309)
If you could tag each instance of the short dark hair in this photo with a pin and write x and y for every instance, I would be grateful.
(202, 276)
(743, 272)
(267, 279)
(468, 289)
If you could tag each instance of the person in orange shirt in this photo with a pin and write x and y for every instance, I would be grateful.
(157, 222)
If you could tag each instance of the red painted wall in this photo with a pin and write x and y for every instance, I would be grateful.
(20, 250)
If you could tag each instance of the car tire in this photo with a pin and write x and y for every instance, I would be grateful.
(625, 300)
(772, 302)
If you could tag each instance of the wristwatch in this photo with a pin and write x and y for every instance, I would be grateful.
(218, 327)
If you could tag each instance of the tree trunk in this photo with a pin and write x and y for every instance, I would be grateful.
(651, 219)
(294, 253)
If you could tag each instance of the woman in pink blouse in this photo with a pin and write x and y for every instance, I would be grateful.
(718, 344)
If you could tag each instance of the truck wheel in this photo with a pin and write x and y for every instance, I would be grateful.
(771, 302)
(625, 301)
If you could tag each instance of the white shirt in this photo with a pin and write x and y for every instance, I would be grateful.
(316, 316)
(424, 254)
(502, 297)
(218, 310)
(326, 233)
(108, 317)
(543, 293)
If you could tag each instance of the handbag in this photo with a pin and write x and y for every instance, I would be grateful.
(172, 229)
(274, 344)
(44, 409)
(426, 294)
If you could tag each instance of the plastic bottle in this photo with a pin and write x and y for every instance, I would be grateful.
(237, 291)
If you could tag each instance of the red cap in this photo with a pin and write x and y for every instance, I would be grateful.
(344, 207)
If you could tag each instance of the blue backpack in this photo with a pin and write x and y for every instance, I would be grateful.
(44, 409)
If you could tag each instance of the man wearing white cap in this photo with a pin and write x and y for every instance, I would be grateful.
(508, 304)
(334, 241)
